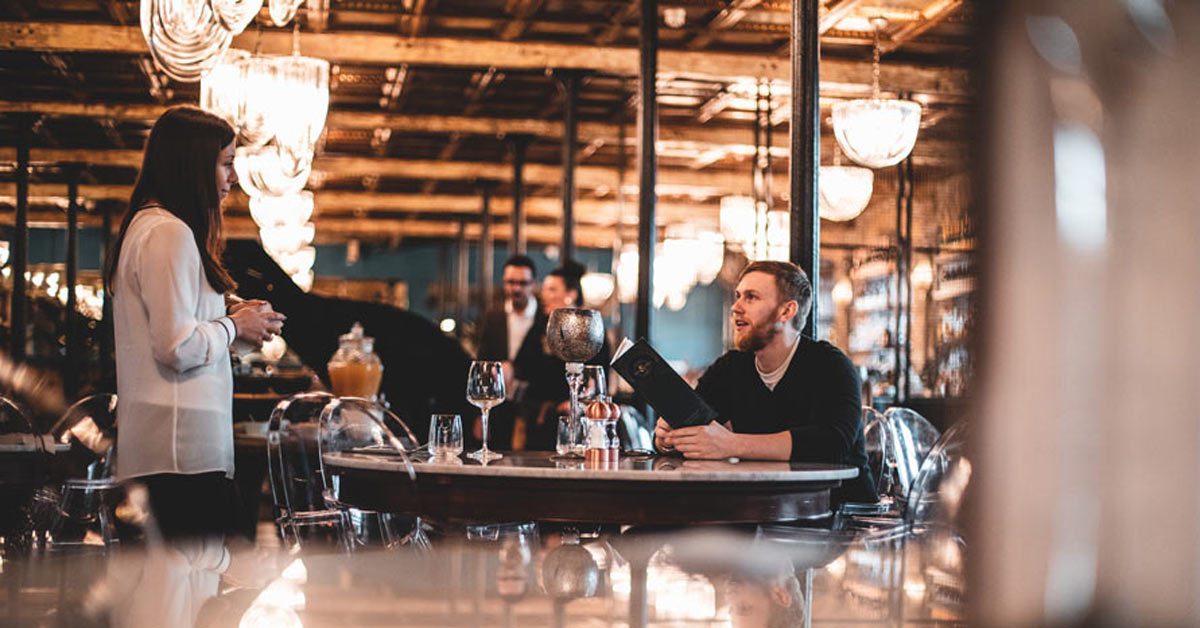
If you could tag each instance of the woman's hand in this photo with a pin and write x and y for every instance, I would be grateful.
(234, 306)
(257, 324)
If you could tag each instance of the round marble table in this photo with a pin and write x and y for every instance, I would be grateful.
(658, 490)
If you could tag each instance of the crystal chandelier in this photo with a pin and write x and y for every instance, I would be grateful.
(278, 104)
(738, 218)
(876, 132)
(685, 258)
(187, 37)
(287, 234)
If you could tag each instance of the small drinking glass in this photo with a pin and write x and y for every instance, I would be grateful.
(445, 435)
(570, 439)
(485, 390)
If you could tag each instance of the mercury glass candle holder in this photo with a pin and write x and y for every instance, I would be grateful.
(575, 336)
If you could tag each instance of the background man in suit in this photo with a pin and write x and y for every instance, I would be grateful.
(501, 336)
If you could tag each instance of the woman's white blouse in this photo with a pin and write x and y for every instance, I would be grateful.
(172, 348)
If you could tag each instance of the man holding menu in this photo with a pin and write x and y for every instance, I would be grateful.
(779, 395)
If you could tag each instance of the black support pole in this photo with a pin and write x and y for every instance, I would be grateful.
(519, 143)
(71, 372)
(107, 357)
(18, 251)
(570, 81)
(908, 284)
(485, 247)
(901, 284)
(462, 285)
(647, 131)
(806, 149)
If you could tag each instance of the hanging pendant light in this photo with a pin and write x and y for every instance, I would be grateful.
(737, 221)
(876, 132)
(845, 191)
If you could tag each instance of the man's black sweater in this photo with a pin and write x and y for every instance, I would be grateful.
(818, 401)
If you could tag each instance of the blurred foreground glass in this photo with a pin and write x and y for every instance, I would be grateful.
(485, 390)
(445, 435)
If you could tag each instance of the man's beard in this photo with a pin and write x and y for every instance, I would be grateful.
(758, 337)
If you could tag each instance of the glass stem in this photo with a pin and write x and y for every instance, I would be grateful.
(485, 429)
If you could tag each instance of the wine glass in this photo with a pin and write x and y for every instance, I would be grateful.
(485, 390)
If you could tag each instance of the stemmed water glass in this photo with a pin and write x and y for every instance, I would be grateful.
(485, 390)
(593, 386)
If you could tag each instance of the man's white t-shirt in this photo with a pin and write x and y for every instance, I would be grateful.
(772, 378)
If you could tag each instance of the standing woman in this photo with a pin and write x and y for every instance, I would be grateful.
(173, 331)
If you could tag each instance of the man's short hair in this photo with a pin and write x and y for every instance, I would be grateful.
(521, 261)
(792, 284)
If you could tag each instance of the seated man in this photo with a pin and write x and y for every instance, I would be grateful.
(781, 396)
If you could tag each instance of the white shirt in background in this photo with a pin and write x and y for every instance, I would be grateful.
(772, 378)
(519, 324)
(174, 379)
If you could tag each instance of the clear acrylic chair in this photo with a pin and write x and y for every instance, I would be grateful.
(935, 515)
(88, 504)
(295, 476)
(910, 438)
(857, 515)
(358, 424)
(13, 420)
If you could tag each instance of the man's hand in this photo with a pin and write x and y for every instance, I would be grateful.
(713, 441)
(662, 436)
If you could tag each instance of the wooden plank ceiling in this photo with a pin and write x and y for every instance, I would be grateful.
(424, 93)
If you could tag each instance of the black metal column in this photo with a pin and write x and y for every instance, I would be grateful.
(107, 357)
(570, 81)
(647, 130)
(519, 143)
(18, 250)
(486, 248)
(72, 366)
(806, 149)
(462, 285)
(908, 282)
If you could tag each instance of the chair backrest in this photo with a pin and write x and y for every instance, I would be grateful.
(13, 419)
(876, 435)
(937, 492)
(92, 422)
(910, 438)
(355, 423)
(294, 473)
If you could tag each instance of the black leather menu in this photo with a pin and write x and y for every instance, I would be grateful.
(662, 387)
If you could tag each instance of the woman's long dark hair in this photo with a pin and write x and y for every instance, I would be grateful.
(571, 273)
(179, 172)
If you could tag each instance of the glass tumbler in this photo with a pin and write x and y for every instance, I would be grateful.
(445, 435)
(571, 438)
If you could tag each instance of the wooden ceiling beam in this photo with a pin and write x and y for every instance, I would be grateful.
(930, 16)
(725, 19)
(376, 205)
(933, 152)
(331, 230)
(386, 49)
